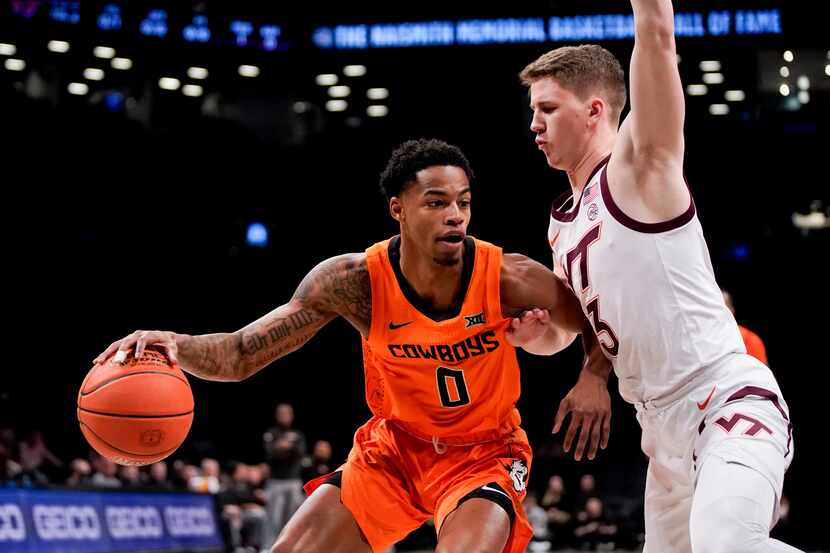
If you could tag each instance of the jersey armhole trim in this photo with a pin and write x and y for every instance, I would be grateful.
(493, 301)
(374, 266)
(639, 226)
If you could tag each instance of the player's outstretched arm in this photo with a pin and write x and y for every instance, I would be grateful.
(547, 315)
(588, 403)
(657, 101)
(550, 322)
(337, 286)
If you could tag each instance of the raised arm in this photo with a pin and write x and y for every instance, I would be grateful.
(657, 101)
(337, 286)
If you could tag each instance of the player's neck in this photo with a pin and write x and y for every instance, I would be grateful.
(438, 284)
(582, 170)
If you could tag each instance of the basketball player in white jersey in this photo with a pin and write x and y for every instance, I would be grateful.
(628, 242)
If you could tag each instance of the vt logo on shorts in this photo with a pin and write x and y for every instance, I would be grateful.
(518, 474)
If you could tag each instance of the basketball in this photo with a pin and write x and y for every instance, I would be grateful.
(136, 413)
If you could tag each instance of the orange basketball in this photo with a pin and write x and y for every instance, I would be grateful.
(136, 413)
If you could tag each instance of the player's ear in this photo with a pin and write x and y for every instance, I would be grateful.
(396, 208)
(596, 110)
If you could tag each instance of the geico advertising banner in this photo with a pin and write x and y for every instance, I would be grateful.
(50, 521)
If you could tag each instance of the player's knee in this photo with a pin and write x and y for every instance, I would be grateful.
(728, 526)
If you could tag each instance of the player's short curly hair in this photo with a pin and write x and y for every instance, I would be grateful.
(415, 155)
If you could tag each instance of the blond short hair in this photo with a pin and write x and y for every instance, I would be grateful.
(583, 70)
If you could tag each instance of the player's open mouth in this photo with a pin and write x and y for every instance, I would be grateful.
(452, 238)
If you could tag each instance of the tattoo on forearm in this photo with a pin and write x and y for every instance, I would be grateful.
(271, 339)
(302, 319)
(209, 360)
(279, 330)
(255, 342)
(270, 355)
(208, 357)
(276, 333)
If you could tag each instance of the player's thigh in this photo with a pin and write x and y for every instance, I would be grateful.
(477, 526)
(668, 505)
(752, 431)
(733, 508)
(322, 524)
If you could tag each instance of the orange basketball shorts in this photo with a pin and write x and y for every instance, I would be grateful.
(393, 481)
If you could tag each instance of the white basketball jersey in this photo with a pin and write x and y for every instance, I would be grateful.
(648, 290)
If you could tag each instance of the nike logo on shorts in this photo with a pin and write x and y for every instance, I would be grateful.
(487, 488)
(702, 405)
(393, 326)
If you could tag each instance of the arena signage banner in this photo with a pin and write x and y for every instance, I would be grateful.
(49, 521)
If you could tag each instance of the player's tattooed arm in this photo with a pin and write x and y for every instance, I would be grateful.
(337, 286)
(340, 285)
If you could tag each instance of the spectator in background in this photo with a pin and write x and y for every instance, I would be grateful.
(188, 473)
(8, 439)
(130, 477)
(594, 528)
(558, 511)
(37, 462)
(9, 469)
(284, 450)
(105, 471)
(242, 508)
(256, 478)
(80, 473)
(318, 463)
(554, 495)
(206, 481)
(264, 472)
(754, 344)
(158, 478)
(181, 475)
(587, 490)
(537, 517)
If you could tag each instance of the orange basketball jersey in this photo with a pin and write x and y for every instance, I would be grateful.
(455, 381)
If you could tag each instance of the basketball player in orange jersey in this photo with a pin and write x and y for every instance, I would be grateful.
(435, 309)
(626, 238)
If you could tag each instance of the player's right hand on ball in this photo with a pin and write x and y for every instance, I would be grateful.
(138, 341)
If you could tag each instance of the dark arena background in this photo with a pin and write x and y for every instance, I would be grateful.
(182, 165)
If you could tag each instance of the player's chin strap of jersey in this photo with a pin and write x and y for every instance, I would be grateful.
(440, 447)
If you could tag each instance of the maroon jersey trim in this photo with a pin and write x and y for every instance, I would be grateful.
(639, 226)
(557, 210)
